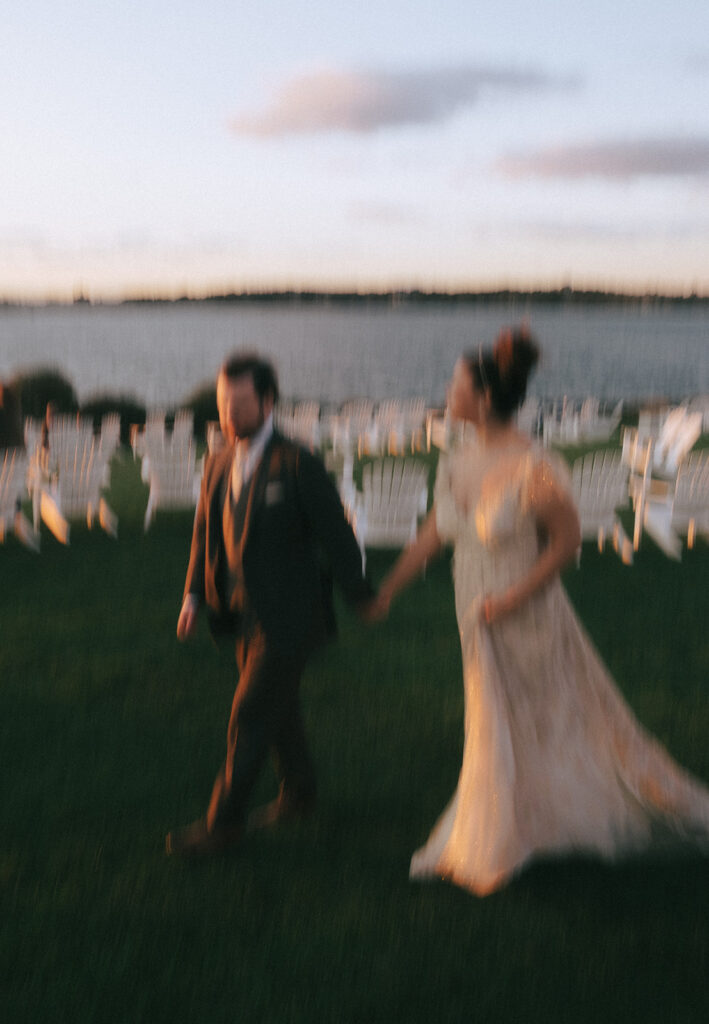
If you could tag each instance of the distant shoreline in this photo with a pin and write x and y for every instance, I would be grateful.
(396, 298)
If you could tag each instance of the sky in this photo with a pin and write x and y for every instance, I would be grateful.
(155, 149)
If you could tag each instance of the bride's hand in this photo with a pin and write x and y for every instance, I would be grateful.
(495, 608)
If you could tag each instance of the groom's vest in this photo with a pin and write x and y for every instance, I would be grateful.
(233, 520)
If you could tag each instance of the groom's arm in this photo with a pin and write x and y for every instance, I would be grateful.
(326, 516)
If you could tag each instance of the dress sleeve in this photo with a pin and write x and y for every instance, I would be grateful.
(446, 511)
(547, 481)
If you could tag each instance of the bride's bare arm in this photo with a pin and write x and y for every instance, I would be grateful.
(408, 565)
(557, 517)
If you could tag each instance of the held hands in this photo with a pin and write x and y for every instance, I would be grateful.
(376, 609)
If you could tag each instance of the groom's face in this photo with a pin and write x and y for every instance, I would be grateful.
(241, 411)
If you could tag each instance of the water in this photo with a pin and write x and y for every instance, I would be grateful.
(160, 354)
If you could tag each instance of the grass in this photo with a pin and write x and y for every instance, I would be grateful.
(112, 733)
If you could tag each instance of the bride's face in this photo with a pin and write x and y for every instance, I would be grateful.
(465, 402)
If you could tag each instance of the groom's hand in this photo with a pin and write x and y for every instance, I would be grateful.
(187, 621)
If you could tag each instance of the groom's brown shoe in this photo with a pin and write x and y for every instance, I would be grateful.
(196, 841)
(280, 811)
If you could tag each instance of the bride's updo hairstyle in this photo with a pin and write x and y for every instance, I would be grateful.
(504, 372)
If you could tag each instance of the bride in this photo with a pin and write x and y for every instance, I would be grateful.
(554, 760)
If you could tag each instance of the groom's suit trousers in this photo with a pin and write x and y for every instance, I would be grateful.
(265, 717)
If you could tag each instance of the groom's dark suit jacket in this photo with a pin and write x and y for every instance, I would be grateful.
(293, 517)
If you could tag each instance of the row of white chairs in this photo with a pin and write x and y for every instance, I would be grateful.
(13, 491)
(169, 463)
(392, 425)
(66, 432)
(567, 423)
(600, 488)
(398, 426)
(689, 512)
(173, 475)
(672, 432)
(668, 507)
(393, 500)
(391, 503)
(63, 473)
(155, 435)
(395, 496)
(604, 483)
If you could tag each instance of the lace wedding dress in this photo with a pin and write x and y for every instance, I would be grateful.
(554, 760)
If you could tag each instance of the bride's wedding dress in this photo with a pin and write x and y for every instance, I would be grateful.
(554, 760)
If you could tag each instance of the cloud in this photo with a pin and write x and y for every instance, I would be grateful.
(613, 161)
(698, 63)
(605, 232)
(384, 214)
(28, 245)
(363, 102)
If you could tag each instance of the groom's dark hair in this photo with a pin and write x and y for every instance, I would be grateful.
(262, 373)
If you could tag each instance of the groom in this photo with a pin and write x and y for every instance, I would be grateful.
(267, 514)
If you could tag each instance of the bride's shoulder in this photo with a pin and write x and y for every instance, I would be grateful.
(540, 459)
(545, 476)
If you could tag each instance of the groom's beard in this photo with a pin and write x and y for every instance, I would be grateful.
(249, 430)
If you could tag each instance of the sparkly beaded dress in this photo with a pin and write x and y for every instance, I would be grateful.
(554, 760)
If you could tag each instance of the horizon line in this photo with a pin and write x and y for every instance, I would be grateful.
(393, 295)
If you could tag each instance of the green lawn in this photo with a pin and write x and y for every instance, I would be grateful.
(112, 733)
